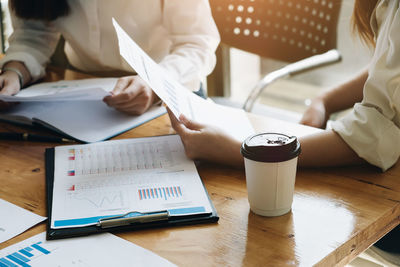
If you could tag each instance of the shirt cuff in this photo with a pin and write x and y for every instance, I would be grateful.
(371, 135)
(36, 70)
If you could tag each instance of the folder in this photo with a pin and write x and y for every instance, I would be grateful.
(131, 219)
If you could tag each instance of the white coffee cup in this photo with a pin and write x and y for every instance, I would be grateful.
(270, 165)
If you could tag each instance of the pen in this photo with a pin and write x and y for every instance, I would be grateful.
(33, 137)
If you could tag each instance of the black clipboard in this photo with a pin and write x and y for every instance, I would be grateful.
(52, 234)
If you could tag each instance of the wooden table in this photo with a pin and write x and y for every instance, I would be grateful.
(337, 212)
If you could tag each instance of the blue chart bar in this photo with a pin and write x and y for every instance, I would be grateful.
(169, 195)
(160, 193)
(26, 253)
(6, 263)
(21, 257)
(16, 260)
(44, 251)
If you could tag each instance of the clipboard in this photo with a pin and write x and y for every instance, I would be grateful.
(154, 219)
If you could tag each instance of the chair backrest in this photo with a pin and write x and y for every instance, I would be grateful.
(286, 30)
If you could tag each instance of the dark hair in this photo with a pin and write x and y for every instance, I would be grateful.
(361, 20)
(46, 10)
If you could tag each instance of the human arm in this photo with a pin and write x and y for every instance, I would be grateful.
(336, 99)
(204, 142)
(325, 149)
(31, 43)
(10, 81)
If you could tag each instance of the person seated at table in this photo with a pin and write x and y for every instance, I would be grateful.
(180, 35)
(369, 133)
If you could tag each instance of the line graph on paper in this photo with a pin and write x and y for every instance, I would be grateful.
(119, 158)
(98, 200)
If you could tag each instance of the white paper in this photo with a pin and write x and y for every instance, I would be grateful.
(65, 90)
(231, 120)
(15, 220)
(116, 177)
(172, 93)
(97, 250)
(176, 97)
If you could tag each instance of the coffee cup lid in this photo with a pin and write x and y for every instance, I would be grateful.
(270, 147)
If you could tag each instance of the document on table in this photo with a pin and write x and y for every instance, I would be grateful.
(15, 220)
(98, 250)
(71, 90)
(113, 178)
(176, 96)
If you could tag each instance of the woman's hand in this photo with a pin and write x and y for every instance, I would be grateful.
(316, 114)
(204, 142)
(131, 95)
(9, 85)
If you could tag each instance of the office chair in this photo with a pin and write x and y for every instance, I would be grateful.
(301, 32)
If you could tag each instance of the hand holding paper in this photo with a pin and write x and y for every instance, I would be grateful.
(131, 95)
(171, 92)
(178, 99)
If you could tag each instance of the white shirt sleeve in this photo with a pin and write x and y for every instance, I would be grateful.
(372, 135)
(194, 38)
(33, 43)
(372, 128)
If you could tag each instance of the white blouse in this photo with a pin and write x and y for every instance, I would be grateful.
(371, 129)
(179, 34)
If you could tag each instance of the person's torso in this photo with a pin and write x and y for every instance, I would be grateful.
(91, 41)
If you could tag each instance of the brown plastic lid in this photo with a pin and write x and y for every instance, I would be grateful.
(270, 147)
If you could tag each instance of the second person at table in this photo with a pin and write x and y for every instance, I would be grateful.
(180, 35)
(369, 133)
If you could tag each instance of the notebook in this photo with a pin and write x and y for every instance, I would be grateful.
(59, 106)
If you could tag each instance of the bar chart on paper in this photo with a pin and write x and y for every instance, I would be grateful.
(24, 255)
(160, 193)
(117, 177)
(78, 252)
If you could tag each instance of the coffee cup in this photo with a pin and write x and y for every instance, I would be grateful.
(270, 165)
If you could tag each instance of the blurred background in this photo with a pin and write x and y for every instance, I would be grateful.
(289, 97)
